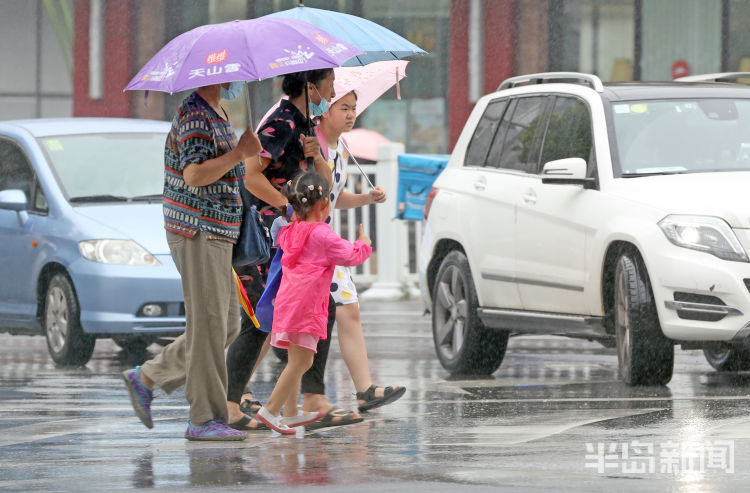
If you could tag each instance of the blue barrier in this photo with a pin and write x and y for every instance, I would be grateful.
(416, 174)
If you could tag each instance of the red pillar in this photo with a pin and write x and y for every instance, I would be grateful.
(459, 106)
(500, 38)
(119, 30)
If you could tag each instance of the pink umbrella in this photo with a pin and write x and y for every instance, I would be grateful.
(363, 143)
(368, 81)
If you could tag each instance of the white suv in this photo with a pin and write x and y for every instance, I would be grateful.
(613, 212)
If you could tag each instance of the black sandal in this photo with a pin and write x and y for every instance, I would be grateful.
(371, 402)
(250, 407)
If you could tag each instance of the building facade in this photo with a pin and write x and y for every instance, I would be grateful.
(73, 57)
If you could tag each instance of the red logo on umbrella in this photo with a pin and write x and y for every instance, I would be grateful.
(321, 39)
(216, 57)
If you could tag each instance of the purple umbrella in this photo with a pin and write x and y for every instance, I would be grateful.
(241, 50)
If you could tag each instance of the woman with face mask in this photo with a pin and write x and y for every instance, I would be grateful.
(286, 148)
(202, 219)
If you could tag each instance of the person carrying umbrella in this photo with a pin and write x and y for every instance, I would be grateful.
(286, 149)
(202, 216)
(338, 119)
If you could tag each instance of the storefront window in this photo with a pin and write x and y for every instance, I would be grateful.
(680, 37)
(593, 36)
(419, 120)
(739, 36)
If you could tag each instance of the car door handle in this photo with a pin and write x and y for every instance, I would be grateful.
(480, 183)
(529, 196)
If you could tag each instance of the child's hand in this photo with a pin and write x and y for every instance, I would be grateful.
(363, 237)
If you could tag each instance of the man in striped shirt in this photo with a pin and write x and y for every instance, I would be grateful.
(202, 217)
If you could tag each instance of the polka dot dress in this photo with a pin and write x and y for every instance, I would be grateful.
(342, 285)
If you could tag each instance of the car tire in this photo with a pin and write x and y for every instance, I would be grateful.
(462, 343)
(728, 357)
(644, 355)
(66, 341)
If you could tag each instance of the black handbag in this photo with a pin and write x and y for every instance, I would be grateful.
(253, 246)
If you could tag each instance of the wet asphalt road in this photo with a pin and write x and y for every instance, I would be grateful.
(553, 418)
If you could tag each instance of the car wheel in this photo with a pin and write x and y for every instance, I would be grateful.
(645, 356)
(728, 357)
(66, 341)
(463, 344)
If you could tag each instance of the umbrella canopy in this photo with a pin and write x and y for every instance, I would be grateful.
(369, 82)
(240, 50)
(377, 42)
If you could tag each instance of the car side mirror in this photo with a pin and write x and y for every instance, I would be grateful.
(568, 171)
(15, 200)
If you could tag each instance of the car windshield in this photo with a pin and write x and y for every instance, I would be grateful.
(108, 167)
(681, 136)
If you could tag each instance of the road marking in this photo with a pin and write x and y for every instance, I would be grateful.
(504, 435)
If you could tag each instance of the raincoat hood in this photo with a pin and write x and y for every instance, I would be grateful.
(293, 238)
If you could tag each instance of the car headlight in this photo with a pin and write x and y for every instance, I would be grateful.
(120, 252)
(704, 233)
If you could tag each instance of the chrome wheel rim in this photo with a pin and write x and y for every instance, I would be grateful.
(451, 312)
(56, 319)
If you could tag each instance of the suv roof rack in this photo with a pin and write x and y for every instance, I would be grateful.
(719, 77)
(547, 77)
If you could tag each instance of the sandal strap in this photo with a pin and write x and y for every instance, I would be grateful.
(367, 395)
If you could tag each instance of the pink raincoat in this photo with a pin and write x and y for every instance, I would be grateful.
(311, 251)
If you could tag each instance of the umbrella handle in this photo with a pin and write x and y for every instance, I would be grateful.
(310, 161)
(249, 106)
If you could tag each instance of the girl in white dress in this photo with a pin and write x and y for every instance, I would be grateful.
(338, 119)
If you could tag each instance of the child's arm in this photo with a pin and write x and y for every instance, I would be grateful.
(342, 252)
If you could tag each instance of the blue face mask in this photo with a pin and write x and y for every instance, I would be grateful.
(321, 107)
(233, 92)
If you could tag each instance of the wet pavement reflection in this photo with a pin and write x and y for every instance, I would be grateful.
(554, 417)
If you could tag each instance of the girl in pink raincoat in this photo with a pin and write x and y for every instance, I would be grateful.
(311, 252)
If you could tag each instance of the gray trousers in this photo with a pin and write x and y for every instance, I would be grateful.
(212, 312)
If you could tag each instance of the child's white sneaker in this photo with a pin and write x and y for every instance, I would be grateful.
(273, 422)
(305, 418)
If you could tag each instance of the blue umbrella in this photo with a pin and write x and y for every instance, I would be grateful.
(377, 42)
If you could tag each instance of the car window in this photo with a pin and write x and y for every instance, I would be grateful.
(39, 200)
(107, 166)
(681, 136)
(568, 131)
(15, 169)
(483, 134)
(519, 149)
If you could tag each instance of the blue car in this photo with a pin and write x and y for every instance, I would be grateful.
(83, 252)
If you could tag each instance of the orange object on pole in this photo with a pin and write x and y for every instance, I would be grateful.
(244, 300)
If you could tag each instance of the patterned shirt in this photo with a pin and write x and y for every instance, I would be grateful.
(197, 135)
(281, 136)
